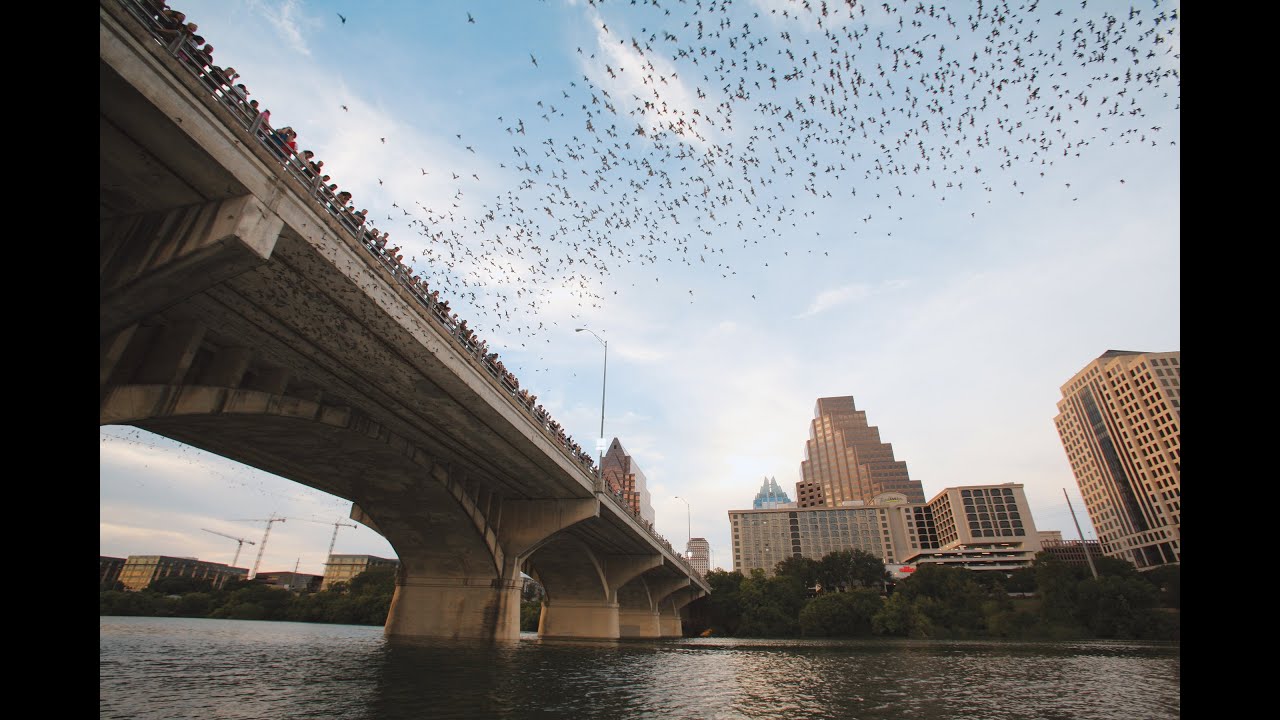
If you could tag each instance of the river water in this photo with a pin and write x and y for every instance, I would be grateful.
(211, 669)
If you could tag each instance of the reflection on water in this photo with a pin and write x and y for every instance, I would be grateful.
(192, 668)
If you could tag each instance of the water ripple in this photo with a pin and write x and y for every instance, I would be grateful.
(170, 668)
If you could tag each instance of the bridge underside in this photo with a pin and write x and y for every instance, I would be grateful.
(238, 318)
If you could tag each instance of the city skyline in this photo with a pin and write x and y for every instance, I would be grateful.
(952, 314)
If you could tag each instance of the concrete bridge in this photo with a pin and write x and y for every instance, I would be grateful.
(239, 315)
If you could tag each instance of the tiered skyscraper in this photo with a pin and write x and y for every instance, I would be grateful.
(770, 495)
(1120, 421)
(845, 460)
(622, 476)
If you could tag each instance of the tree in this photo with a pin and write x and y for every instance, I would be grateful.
(530, 615)
(770, 605)
(1115, 607)
(803, 569)
(904, 616)
(724, 604)
(955, 597)
(843, 569)
(846, 614)
(1167, 579)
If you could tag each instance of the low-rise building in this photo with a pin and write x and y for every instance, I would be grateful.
(342, 568)
(294, 581)
(109, 571)
(139, 571)
(1073, 551)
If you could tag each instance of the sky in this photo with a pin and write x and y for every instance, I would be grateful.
(944, 210)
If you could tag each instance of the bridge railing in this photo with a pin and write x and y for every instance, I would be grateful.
(179, 45)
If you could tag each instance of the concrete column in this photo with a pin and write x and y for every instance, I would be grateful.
(643, 623)
(582, 619)
(670, 609)
(454, 608)
(669, 623)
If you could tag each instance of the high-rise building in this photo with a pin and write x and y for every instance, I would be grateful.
(342, 568)
(1119, 420)
(846, 460)
(809, 494)
(622, 477)
(700, 555)
(770, 496)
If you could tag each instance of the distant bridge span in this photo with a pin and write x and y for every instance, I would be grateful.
(239, 315)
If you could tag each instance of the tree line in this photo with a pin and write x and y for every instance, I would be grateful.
(365, 600)
(850, 594)
(845, 594)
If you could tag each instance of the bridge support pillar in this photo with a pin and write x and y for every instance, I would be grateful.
(454, 608)
(669, 623)
(639, 624)
(579, 619)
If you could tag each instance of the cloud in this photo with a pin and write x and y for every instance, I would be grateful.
(649, 83)
(288, 20)
(828, 299)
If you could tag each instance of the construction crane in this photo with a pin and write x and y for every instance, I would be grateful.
(262, 548)
(334, 539)
(242, 541)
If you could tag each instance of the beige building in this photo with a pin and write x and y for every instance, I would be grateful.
(845, 460)
(982, 527)
(764, 538)
(1120, 423)
(139, 571)
(109, 571)
(342, 568)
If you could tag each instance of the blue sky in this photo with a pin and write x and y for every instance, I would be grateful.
(956, 255)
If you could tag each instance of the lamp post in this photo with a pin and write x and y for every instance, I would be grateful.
(603, 379)
(689, 518)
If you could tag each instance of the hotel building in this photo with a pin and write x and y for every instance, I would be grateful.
(981, 527)
(1120, 423)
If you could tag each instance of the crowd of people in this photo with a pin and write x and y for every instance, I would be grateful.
(171, 28)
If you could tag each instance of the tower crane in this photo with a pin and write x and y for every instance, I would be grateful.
(334, 539)
(262, 548)
(241, 542)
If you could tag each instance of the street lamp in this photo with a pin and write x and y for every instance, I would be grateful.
(604, 377)
(689, 518)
